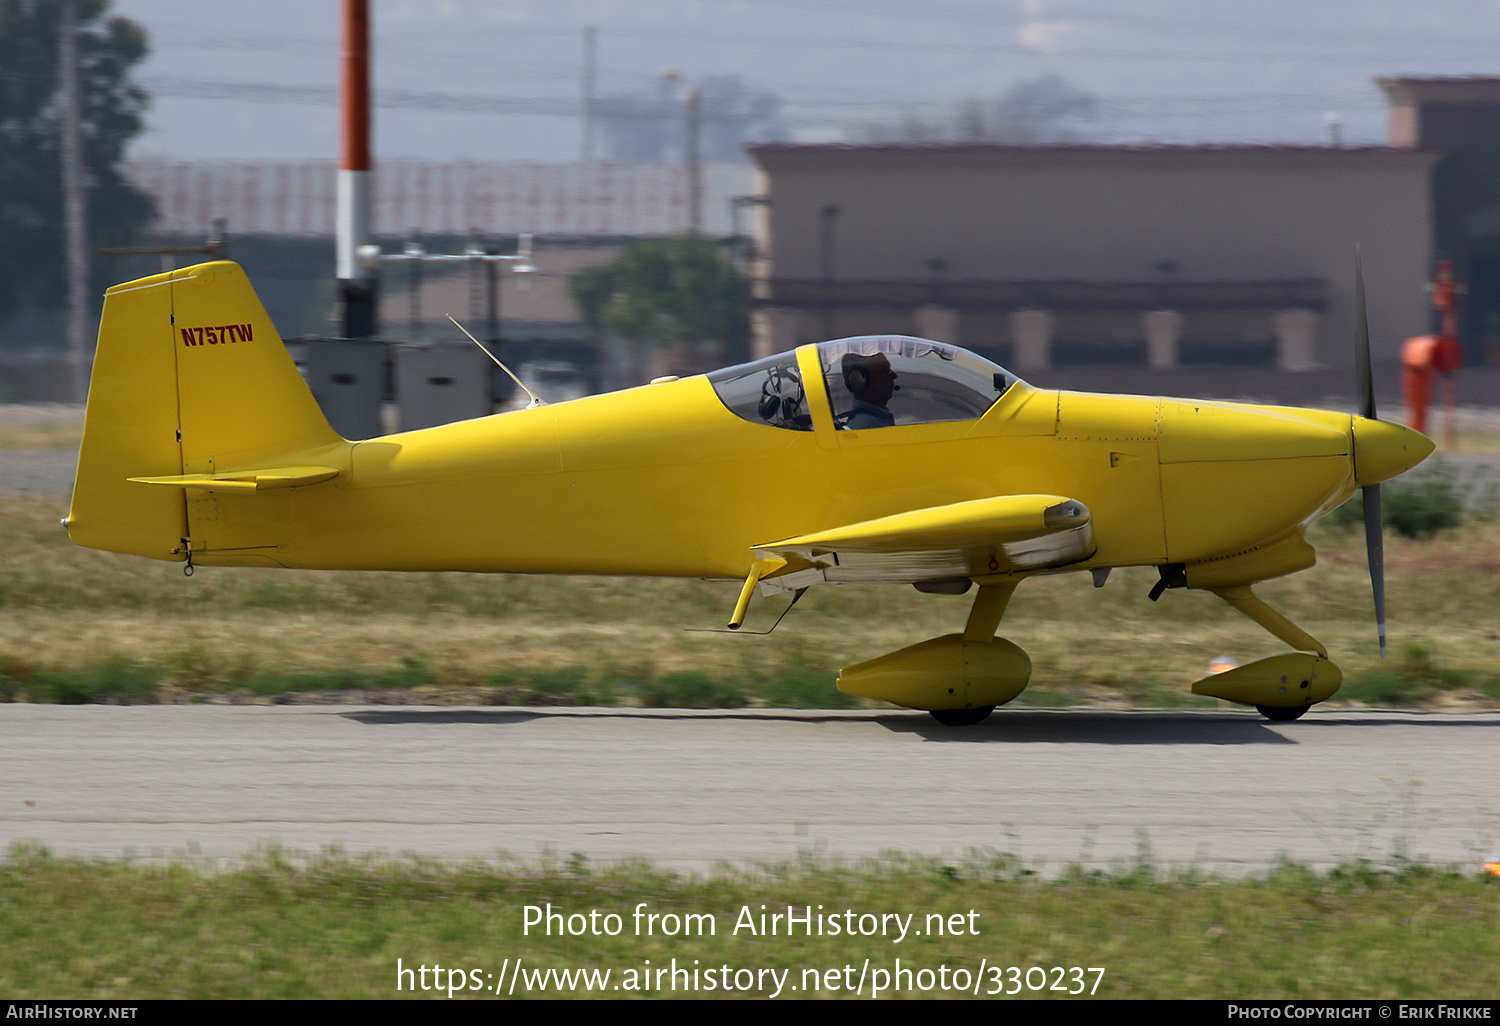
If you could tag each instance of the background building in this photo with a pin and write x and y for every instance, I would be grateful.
(1190, 269)
(277, 220)
(1460, 119)
(1157, 258)
(1154, 256)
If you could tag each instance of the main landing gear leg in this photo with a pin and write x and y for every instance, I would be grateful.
(984, 620)
(988, 610)
(959, 678)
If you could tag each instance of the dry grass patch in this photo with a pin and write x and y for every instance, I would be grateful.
(64, 608)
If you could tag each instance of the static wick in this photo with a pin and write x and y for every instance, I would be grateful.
(534, 400)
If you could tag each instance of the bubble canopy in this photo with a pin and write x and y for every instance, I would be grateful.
(872, 381)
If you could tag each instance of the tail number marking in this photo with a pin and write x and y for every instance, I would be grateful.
(221, 335)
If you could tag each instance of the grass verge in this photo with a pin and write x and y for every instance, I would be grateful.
(336, 928)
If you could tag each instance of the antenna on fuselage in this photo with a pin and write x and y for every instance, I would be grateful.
(534, 400)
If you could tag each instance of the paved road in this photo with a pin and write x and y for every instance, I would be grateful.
(1224, 792)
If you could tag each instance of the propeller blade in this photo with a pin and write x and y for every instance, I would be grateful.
(1375, 553)
(1362, 344)
(1370, 494)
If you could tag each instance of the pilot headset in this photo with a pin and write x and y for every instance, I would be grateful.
(781, 395)
(857, 374)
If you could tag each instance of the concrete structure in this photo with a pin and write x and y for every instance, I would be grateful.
(441, 382)
(1150, 256)
(348, 378)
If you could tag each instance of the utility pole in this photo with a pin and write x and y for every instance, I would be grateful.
(358, 286)
(694, 165)
(75, 207)
(691, 165)
(590, 58)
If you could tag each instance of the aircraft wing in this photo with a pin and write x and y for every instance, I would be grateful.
(999, 535)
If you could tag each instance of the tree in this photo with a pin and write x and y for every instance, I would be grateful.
(1043, 110)
(682, 291)
(32, 267)
(651, 127)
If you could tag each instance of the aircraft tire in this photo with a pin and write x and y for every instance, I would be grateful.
(961, 717)
(1282, 713)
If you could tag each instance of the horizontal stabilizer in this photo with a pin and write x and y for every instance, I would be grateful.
(245, 480)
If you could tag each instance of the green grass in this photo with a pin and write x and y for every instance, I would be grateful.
(1417, 674)
(690, 689)
(335, 928)
(129, 682)
(1419, 504)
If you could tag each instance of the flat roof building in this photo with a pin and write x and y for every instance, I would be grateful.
(1146, 255)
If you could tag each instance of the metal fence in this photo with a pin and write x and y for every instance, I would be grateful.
(297, 197)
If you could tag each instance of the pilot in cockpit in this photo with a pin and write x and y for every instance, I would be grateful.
(872, 382)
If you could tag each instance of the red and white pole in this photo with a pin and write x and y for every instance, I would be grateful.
(357, 277)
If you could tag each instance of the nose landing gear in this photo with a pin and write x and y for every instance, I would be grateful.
(1281, 687)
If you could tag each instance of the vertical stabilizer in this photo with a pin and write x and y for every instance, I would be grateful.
(240, 396)
(189, 377)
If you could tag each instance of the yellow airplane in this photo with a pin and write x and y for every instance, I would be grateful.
(875, 459)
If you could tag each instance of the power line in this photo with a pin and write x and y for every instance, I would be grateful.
(327, 96)
(1480, 50)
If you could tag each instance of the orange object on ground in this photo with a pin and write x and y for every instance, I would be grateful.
(1426, 356)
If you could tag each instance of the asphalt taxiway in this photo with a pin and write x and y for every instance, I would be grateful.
(1219, 792)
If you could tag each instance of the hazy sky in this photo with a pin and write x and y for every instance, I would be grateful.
(502, 79)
